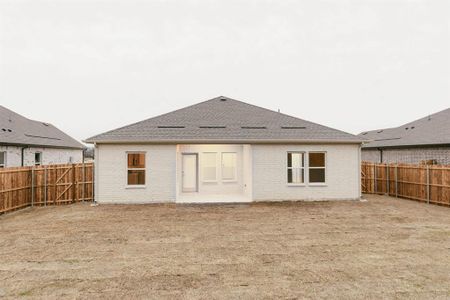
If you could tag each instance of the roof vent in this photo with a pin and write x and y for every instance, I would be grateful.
(45, 124)
(406, 128)
(254, 127)
(293, 127)
(379, 131)
(364, 133)
(223, 99)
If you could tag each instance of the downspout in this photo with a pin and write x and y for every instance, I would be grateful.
(381, 155)
(22, 159)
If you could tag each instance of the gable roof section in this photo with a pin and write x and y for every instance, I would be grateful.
(223, 120)
(18, 130)
(431, 130)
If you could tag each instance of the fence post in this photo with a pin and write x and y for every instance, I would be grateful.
(396, 180)
(387, 180)
(74, 183)
(84, 180)
(428, 184)
(32, 186)
(45, 186)
(93, 182)
(375, 181)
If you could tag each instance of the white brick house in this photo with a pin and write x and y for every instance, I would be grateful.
(24, 142)
(224, 150)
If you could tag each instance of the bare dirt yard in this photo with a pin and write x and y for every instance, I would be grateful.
(382, 248)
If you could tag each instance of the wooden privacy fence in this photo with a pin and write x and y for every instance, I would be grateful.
(45, 185)
(426, 183)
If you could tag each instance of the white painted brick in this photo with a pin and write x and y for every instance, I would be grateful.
(49, 156)
(409, 155)
(270, 174)
(111, 174)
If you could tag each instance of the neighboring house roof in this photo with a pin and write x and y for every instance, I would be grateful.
(224, 120)
(430, 130)
(18, 130)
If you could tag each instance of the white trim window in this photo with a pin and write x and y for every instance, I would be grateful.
(229, 168)
(295, 167)
(135, 168)
(2, 159)
(37, 158)
(209, 166)
(317, 166)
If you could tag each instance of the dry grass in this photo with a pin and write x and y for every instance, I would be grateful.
(383, 248)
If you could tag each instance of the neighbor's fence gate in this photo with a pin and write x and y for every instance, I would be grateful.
(426, 183)
(45, 185)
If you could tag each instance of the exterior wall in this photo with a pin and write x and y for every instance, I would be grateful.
(49, 156)
(248, 171)
(218, 187)
(270, 173)
(111, 174)
(372, 156)
(409, 155)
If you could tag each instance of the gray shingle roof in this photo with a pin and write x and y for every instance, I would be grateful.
(224, 120)
(430, 130)
(18, 130)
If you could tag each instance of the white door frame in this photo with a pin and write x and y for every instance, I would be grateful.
(182, 172)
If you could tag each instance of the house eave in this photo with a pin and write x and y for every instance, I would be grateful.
(38, 145)
(225, 141)
(406, 146)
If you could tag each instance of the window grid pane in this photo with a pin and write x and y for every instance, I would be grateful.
(209, 162)
(229, 166)
(317, 159)
(136, 160)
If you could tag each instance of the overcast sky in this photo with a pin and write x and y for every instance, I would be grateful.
(91, 66)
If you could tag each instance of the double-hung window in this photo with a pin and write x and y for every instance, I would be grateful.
(2, 159)
(296, 167)
(316, 167)
(136, 168)
(229, 170)
(209, 165)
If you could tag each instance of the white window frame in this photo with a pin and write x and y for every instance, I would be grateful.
(3, 165)
(40, 157)
(136, 186)
(234, 179)
(292, 168)
(216, 167)
(324, 168)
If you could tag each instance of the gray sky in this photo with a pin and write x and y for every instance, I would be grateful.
(91, 66)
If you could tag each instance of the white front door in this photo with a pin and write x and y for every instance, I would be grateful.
(189, 172)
